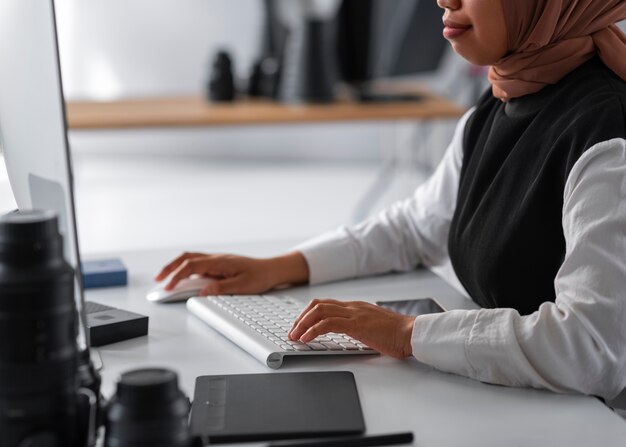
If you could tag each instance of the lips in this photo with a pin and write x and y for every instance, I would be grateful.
(453, 30)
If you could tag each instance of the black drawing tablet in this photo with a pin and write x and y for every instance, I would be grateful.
(261, 407)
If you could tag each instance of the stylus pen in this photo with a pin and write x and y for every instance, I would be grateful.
(350, 441)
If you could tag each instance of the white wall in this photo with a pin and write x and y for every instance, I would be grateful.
(113, 48)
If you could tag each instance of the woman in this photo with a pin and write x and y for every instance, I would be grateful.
(528, 205)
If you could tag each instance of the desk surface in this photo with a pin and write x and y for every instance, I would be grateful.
(196, 111)
(441, 409)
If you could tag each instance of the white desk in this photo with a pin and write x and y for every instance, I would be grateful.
(441, 409)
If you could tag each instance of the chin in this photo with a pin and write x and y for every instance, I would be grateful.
(469, 53)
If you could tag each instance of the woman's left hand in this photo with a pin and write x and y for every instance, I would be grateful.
(381, 329)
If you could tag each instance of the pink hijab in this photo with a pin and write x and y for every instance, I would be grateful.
(549, 38)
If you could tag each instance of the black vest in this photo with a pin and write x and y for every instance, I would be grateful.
(506, 239)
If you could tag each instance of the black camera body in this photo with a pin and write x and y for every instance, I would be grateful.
(49, 392)
(41, 404)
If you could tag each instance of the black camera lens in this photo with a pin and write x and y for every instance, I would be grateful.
(148, 410)
(38, 329)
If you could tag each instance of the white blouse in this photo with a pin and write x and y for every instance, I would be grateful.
(577, 343)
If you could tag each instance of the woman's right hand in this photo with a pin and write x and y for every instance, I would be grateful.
(236, 275)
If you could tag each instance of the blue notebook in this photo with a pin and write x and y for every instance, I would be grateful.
(104, 273)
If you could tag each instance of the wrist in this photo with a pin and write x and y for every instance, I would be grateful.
(407, 332)
(289, 269)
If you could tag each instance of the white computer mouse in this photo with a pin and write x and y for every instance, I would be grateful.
(184, 290)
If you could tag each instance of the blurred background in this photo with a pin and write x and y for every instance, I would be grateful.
(195, 186)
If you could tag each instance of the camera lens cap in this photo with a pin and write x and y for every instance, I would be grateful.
(148, 386)
(28, 226)
(148, 410)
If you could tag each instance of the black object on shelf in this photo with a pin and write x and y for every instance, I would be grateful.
(265, 78)
(255, 82)
(222, 81)
(318, 62)
(266, 74)
(387, 39)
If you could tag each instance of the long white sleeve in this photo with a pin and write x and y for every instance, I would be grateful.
(577, 343)
(411, 232)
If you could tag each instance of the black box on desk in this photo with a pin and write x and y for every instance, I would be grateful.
(110, 325)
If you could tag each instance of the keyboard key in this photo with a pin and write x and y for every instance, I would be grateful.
(317, 346)
(333, 346)
(301, 347)
(349, 346)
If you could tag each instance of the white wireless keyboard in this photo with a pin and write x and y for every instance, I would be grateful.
(259, 324)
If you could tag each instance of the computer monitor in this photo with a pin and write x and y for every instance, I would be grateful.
(388, 38)
(33, 131)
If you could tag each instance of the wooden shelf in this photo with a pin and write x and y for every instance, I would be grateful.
(195, 111)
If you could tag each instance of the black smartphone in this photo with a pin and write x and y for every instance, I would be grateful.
(414, 308)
